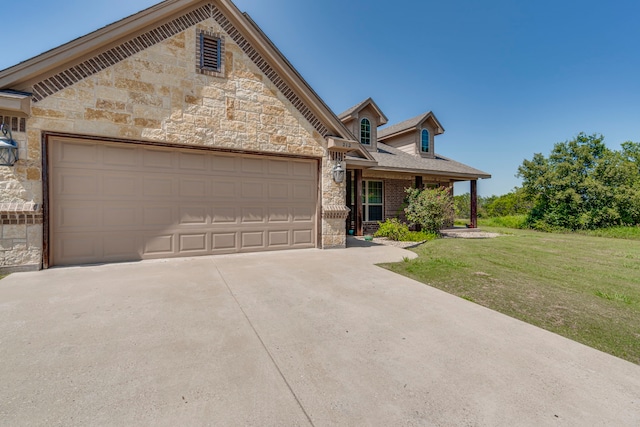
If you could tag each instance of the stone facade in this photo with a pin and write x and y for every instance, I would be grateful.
(157, 95)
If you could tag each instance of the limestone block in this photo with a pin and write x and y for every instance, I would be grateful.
(134, 85)
(34, 236)
(5, 244)
(14, 232)
(117, 118)
(45, 112)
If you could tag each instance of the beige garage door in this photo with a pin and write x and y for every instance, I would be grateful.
(121, 202)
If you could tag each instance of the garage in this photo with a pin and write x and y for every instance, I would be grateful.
(111, 202)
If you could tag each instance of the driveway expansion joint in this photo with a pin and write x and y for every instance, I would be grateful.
(264, 346)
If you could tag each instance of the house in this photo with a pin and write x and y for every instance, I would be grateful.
(183, 131)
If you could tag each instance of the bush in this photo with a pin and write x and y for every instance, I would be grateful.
(394, 229)
(429, 208)
(511, 221)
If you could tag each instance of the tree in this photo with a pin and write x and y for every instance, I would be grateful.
(429, 208)
(512, 203)
(583, 185)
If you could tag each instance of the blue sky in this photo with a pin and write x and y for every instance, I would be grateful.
(506, 78)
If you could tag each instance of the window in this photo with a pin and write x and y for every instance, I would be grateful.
(424, 141)
(365, 132)
(210, 54)
(372, 200)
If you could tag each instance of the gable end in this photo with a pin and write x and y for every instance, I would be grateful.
(100, 62)
(119, 53)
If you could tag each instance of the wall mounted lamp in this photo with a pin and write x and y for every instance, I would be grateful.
(338, 173)
(8, 147)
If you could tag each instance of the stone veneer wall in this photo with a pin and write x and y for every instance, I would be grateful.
(156, 95)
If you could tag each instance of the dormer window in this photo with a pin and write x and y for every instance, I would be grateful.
(365, 132)
(424, 141)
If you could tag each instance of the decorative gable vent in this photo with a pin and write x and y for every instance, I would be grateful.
(210, 54)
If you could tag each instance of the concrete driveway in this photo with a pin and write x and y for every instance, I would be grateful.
(282, 339)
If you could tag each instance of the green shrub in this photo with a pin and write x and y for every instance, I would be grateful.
(511, 221)
(394, 229)
(429, 208)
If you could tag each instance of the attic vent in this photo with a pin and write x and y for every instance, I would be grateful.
(210, 54)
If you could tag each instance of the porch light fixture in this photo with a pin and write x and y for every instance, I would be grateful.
(338, 173)
(8, 147)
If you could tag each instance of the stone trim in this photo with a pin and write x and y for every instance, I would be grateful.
(16, 124)
(335, 212)
(20, 214)
(91, 66)
(20, 218)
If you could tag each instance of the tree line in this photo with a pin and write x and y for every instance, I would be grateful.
(581, 184)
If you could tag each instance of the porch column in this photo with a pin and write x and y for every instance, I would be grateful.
(358, 205)
(419, 183)
(349, 201)
(474, 204)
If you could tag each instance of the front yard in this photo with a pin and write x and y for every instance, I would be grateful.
(585, 288)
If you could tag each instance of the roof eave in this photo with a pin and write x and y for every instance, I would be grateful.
(68, 52)
(432, 172)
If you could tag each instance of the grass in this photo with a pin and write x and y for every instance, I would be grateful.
(631, 233)
(584, 287)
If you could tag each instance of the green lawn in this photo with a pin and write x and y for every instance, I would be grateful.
(586, 288)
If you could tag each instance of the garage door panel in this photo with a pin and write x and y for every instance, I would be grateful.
(193, 215)
(193, 162)
(279, 238)
(279, 214)
(252, 214)
(120, 156)
(304, 170)
(226, 215)
(118, 217)
(224, 163)
(124, 246)
(76, 183)
(79, 247)
(303, 214)
(194, 188)
(73, 154)
(252, 240)
(225, 190)
(190, 243)
(158, 216)
(302, 237)
(224, 241)
(121, 202)
(253, 190)
(278, 191)
(159, 244)
(119, 185)
(154, 186)
(252, 165)
(304, 192)
(158, 159)
(77, 215)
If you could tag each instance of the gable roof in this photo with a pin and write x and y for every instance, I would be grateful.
(409, 125)
(68, 64)
(352, 113)
(393, 159)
